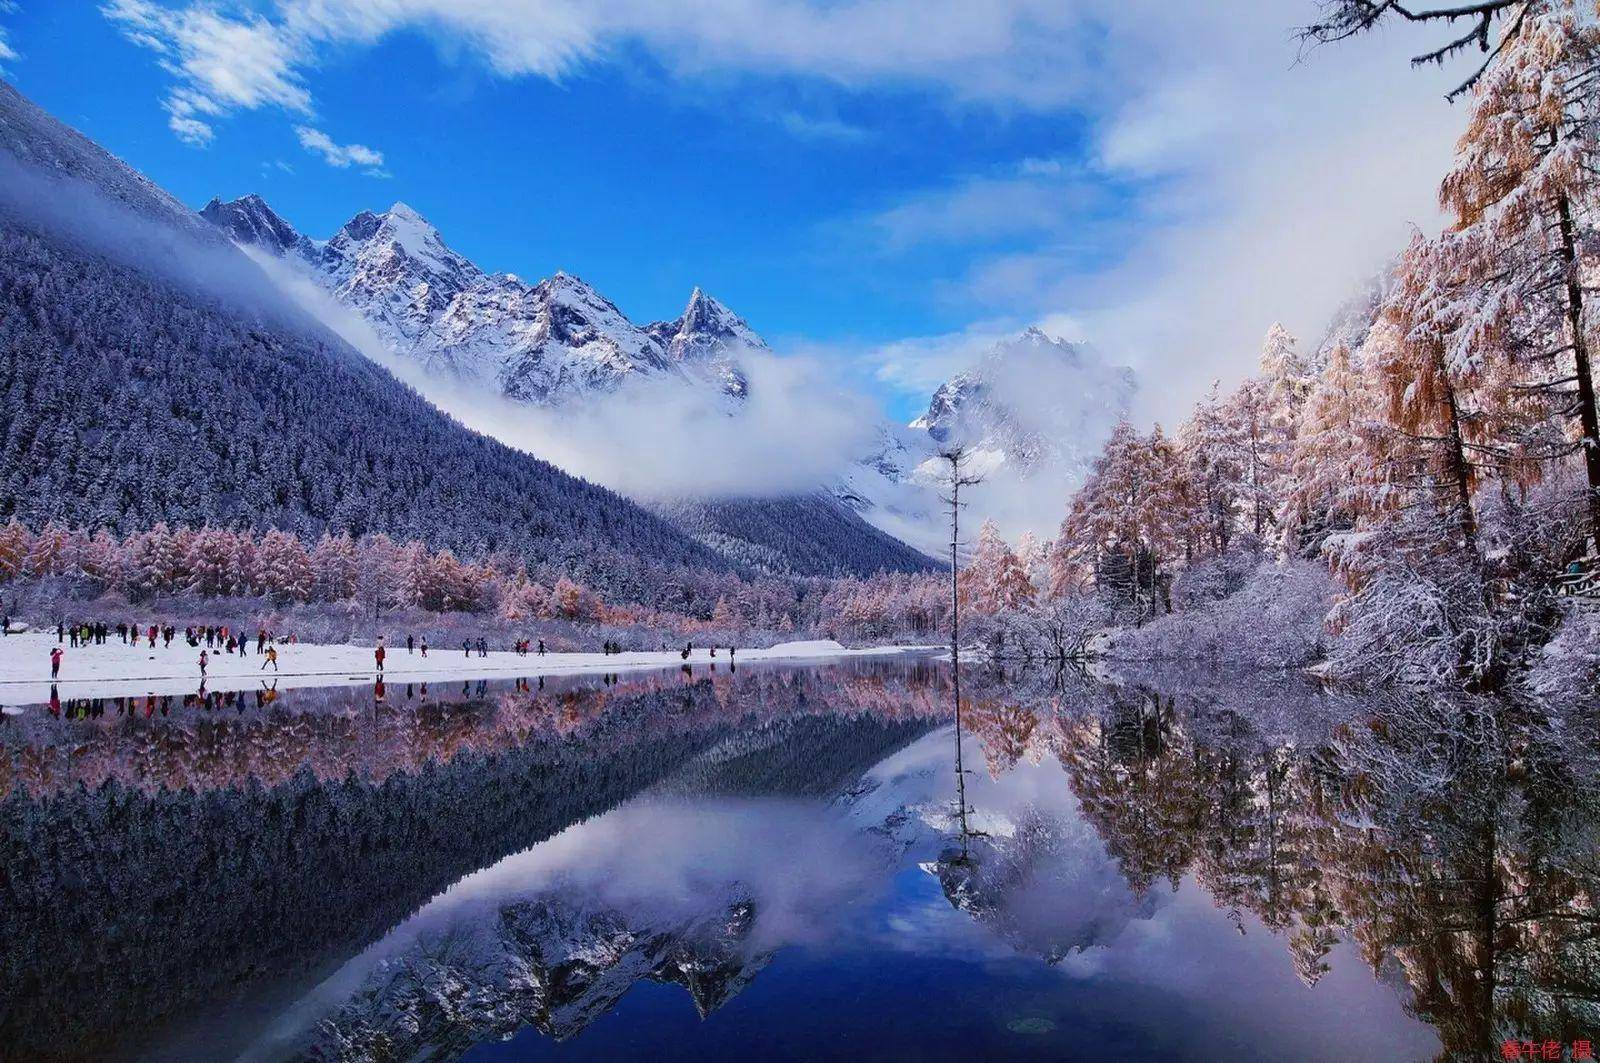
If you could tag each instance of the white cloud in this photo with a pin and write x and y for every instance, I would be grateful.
(1003, 52)
(1251, 185)
(7, 52)
(221, 63)
(342, 156)
(820, 127)
(985, 208)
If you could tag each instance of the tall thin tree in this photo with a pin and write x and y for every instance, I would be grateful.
(956, 457)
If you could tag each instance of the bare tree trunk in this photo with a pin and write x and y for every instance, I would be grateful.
(1580, 355)
(1456, 463)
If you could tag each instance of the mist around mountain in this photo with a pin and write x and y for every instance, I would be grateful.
(647, 408)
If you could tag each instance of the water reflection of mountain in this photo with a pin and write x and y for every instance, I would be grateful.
(554, 964)
(301, 835)
(1038, 887)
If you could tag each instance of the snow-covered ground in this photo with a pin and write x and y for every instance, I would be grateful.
(116, 669)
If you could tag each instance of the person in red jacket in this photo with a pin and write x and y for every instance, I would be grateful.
(378, 653)
(56, 653)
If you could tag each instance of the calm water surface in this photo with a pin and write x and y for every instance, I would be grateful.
(774, 863)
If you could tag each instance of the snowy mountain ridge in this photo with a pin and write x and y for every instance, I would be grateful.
(548, 343)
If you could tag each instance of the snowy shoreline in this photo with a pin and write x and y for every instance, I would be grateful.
(116, 669)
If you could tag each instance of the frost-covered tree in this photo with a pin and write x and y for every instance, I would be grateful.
(570, 599)
(1523, 180)
(50, 553)
(1287, 375)
(1435, 433)
(16, 542)
(103, 560)
(1329, 461)
(1211, 452)
(211, 562)
(382, 574)
(284, 567)
(333, 568)
(994, 580)
(1034, 557)
(1135, 506)
(153, 564)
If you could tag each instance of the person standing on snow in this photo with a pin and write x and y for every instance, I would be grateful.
(55, 662)
(203, 661)
(272, 659)
(378, 654)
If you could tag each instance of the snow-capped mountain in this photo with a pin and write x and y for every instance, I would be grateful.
(548, 343)
(248, 220)
(1033, 409)
(1031, 414)
(1032, 400)
(706, 340)
(557, 343)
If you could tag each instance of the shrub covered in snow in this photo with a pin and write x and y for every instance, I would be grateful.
(1568, 668)
(1274, 620)
(1214, 578)
(1056, 629)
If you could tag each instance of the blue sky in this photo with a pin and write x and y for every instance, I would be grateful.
(884, 184)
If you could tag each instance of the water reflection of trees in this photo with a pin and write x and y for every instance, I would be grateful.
(177, 743)
(1455, 842)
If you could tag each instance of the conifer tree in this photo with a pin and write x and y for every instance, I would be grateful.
(16, 542)
(1523, 177)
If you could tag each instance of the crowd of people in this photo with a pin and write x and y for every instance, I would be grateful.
(219, 638)
(215, 640)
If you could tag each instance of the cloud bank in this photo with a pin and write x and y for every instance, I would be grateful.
(658, 438)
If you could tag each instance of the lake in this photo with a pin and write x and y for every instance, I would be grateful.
(775, 863)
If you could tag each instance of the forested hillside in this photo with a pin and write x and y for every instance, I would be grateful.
(813, 535)
(131, 395)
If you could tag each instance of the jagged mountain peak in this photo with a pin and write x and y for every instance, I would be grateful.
(249, 221)
(404, 211)
(553, 341)
(704, 315)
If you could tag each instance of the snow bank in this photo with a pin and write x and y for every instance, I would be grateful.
(115, 668)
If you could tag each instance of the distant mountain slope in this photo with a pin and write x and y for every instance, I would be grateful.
(807, 534)
(128, 395)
